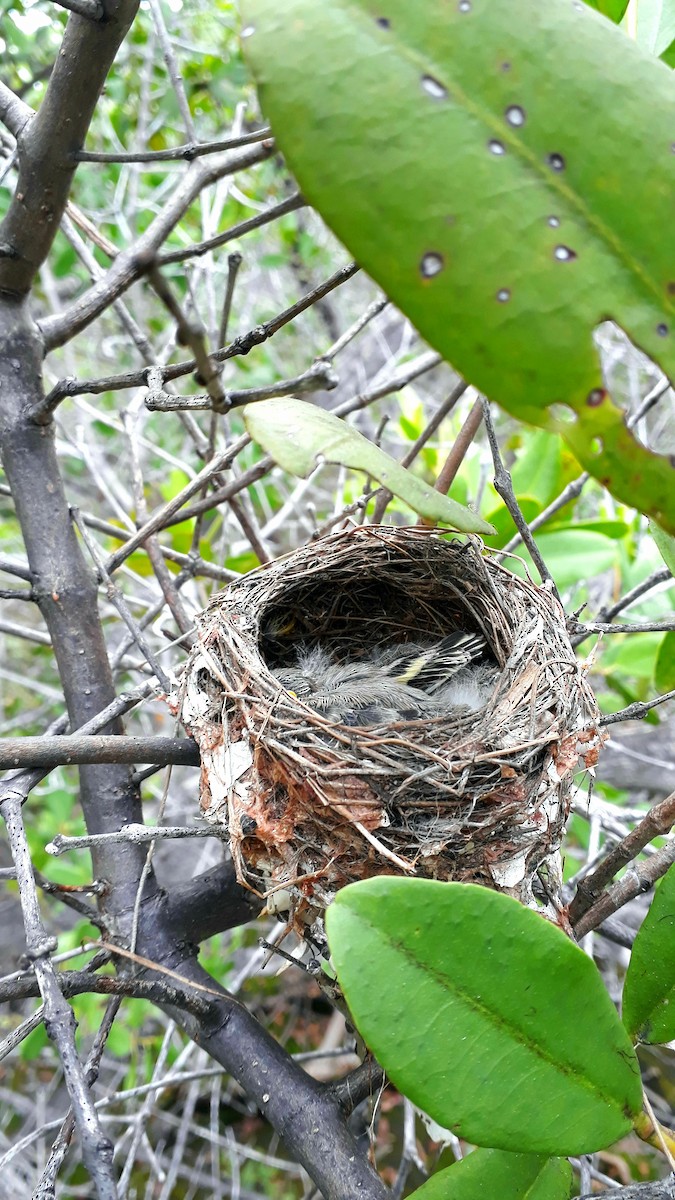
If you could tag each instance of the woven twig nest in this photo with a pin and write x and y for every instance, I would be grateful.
(311, 805)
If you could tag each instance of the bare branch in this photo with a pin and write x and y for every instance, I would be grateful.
(293, 203)
(319, 377)
(240, 346)
(187, 152)
(640, 878)
(14, 114)
(97, 1149)
(504, 486)
(133, 263)
(79, 748)
(48, 143)
(159, 519)
(636, 711)
(586, 629)
(47, 1184)
(138, 835)
(76, 983)
(659, 820)
(458, 453)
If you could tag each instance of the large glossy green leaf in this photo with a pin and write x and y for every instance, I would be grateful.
(485, 1174)
(489, 166)
(649, 990)
(485, 1015)
(299, 435)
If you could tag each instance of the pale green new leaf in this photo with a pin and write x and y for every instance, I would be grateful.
(299, 435)
(505, 171)
(472, 1004)
(655, 28)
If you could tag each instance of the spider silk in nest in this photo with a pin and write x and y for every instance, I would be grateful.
(387, 701)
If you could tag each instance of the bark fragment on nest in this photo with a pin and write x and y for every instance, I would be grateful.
(311, 805)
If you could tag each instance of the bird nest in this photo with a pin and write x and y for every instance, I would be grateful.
(311, 803)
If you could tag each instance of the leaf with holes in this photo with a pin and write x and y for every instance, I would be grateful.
(299, 435)
(649, 990)
(488, 165)
(472, 1005)
(498, 1173)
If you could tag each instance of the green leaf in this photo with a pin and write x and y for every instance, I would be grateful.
(614, 9)
(468, 156)
(665, 545)
(668, 55)
(504, 524)
(649, 990)
(664, 670)
(634, 654)
(491, 1173)
(485, 1015)
(616, 530)
(571, 555)
(298, 436)
(538, 470)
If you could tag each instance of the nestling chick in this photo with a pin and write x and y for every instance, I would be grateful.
(405, 681)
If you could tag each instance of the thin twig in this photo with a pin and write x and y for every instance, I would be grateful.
(234, 261)
(240, 346)
(319, 377)
(662, 575)
(137, 835)
(197, 249)
(458, 453)
(504, 487)
(636, 711)
(658, 821)
(373, 310)
(186, 152)
(115, 596)
(586, 629)
(46, 1188)
(159, 518)
(640, 878)
(97, 1149)
(133, 263)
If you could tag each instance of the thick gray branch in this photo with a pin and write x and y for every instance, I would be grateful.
(48, 144)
